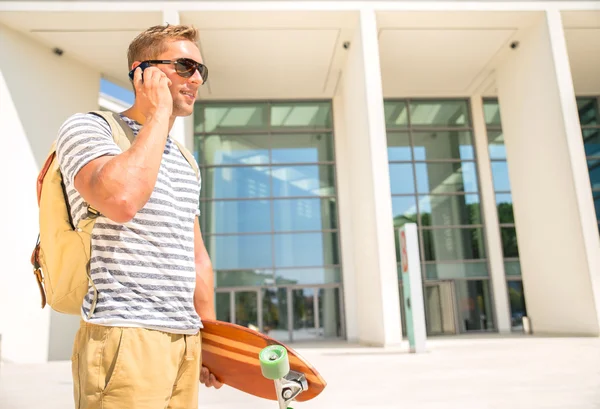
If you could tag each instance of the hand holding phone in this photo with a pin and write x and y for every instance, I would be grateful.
(153, 95)
(142, 66)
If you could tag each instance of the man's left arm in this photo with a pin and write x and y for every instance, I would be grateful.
(204, 294)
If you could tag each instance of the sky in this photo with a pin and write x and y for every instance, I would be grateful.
(116, 91)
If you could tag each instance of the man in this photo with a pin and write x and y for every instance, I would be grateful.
(140, 348)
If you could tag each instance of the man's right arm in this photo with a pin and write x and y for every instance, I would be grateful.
(118, 186)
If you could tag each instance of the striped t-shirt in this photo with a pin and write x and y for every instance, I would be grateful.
(144, 269)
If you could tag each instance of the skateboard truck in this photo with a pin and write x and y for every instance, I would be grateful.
(275, 365)
(288, 387)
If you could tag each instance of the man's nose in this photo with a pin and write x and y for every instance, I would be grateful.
(196, 78)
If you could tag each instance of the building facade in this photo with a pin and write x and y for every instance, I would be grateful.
(323, 128)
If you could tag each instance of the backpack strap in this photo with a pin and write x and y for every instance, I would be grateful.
(121, 132)
(123, 136)
(189, 157)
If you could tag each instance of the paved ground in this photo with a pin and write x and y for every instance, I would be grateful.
(488, 372)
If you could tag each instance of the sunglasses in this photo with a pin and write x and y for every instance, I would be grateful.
(184, 67)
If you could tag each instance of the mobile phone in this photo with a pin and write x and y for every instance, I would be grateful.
(143, 66)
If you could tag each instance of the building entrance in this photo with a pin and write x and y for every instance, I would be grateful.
(286, 313)
(440, 314)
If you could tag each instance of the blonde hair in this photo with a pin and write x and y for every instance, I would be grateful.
(152, 42)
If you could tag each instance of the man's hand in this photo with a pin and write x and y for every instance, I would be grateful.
(209, 379)
(152, 92)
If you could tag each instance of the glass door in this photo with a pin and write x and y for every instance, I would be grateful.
(439, 308)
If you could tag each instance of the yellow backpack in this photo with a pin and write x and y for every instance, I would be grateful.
(61, 257)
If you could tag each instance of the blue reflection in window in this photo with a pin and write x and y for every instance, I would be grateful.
(597, 204)
(446, 177)
(302, 180)
(500, 176)
(241, 252)
(594, 170)
(591, 142)
(300, 214)
(305, 249)
(404, 209)
(240, 216)
(239, 182)
(402, 178)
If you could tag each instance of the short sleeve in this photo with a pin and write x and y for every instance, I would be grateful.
(81, 139)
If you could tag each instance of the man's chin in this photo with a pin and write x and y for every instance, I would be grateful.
(183, 110)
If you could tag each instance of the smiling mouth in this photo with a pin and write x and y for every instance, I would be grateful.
(188, 94)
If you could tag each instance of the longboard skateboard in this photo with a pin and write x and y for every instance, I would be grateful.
(254, 363)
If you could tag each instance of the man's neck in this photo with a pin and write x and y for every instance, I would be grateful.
(135, 114)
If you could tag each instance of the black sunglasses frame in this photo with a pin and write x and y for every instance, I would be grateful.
(187, 63)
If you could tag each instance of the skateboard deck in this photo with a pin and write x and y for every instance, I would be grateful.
(231, 353)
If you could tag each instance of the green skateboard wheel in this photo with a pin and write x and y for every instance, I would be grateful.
(274, 362)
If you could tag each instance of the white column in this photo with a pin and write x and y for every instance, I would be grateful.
(343, 167)
(34, 102)
(372, 283)
(556, 226)
(490, 218)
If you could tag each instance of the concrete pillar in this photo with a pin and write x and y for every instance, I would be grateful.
(34, 103)
(556, 226)
(366, 228)
(489, 213)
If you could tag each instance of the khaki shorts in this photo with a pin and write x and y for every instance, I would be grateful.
(135, 368)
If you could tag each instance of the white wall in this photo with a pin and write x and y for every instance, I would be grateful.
(555, 221)
(38, 90)
(371, 284)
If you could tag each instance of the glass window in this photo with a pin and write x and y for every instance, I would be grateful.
(231, 216)
(249, 149)
(594, 171)
(240, 251)
(275, 313)
(589, 114)
(218, 117)
(223, 306)
(450, 177)
(475, 305)
(399, 146)
(496, 145)
(516, 296)
(596, 196)
(444, 244)
(591, 142)
(396, 114)
(491, 112)
(242, 182)
(248, 277)
(504, 205)
(439, 113)
(448, 271)
(510, 247)
(402, 178)
(317, 249)
(312, 275)
(303, 180)
(246, 308)
(500, 176)
(304, 214)
(309, 115)
(404, 209)
(512, 268)
(433, 145)
(299, 148)
(450, 210)
(329, 313)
